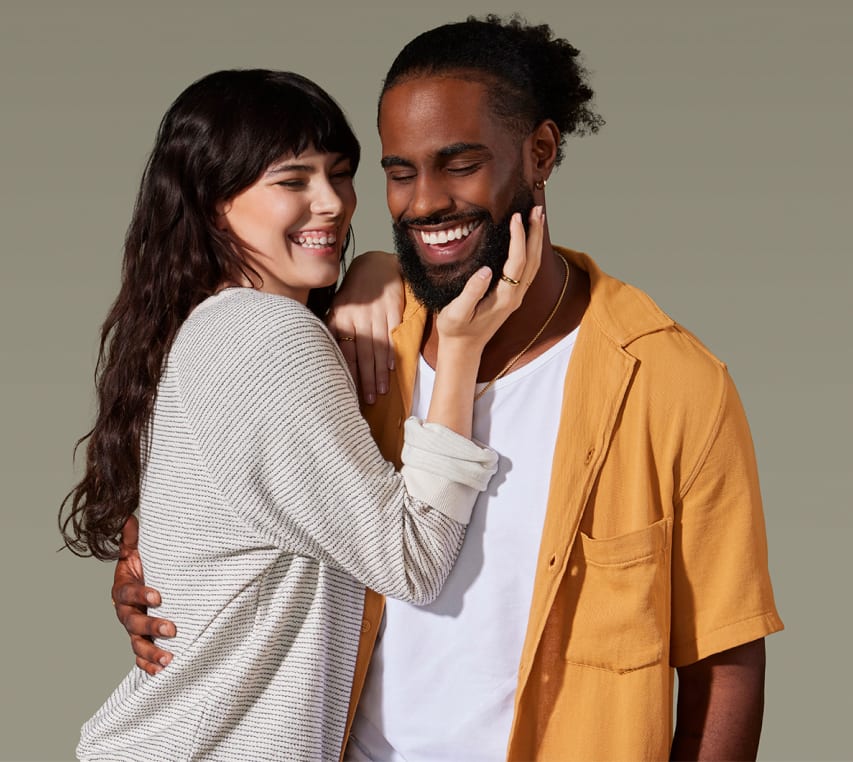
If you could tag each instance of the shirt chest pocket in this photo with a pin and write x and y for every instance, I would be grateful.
(618, 591)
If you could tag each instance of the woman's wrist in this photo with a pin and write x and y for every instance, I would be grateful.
(460, 358)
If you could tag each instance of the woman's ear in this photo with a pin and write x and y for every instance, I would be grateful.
(222, 209)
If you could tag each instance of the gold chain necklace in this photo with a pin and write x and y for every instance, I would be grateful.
(506, 368)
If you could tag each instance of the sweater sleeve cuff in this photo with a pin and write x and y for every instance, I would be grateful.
(444, 469)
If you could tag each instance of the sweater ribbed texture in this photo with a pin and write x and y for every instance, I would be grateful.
(265, 508)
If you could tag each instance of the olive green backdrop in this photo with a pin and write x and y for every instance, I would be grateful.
(721, 185)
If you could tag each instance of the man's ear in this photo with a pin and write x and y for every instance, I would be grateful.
(543, 143)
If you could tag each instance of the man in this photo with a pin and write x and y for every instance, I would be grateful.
(623, 535)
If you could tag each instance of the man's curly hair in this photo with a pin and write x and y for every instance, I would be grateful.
(531, 75)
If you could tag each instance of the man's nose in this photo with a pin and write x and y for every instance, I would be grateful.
(429, 198)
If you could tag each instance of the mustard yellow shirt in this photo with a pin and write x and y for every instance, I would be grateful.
(653, 552)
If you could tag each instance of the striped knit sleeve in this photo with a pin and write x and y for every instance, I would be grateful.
(276, 419)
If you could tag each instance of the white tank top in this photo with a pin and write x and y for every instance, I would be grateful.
(442, 680)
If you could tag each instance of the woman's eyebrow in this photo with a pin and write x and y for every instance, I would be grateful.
(290, 168)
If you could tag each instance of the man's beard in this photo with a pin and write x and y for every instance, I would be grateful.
(435, 286)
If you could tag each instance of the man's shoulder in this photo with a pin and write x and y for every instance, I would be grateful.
(672, 361)
(633, 321)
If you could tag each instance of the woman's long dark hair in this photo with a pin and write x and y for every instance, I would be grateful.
(216, 139)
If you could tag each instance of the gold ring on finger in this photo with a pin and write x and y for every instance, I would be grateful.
(512, 281)
(345, 338)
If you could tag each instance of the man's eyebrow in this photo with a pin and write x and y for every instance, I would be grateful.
(457, 148)
(394, 161)
(454, 149)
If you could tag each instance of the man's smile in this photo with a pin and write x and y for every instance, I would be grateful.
(442, 244)
(443, 235)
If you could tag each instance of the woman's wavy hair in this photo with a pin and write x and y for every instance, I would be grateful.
(216, 139)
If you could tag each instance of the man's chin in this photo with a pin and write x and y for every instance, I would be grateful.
(435, 286)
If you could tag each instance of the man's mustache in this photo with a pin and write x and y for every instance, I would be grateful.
(436, 220)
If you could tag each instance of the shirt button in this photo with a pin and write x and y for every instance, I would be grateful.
(589, 453)
(365, 625)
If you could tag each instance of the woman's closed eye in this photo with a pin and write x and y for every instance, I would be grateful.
(292, 184)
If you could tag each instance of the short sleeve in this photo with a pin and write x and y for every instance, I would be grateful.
(721, 591)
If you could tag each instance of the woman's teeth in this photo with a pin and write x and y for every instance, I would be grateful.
(315, 240)
(433, 237)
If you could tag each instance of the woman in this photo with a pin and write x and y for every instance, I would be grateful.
(227, 415)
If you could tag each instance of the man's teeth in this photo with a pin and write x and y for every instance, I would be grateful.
(433, 237)
(315, 240)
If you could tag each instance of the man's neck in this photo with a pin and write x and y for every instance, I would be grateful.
(522, 325)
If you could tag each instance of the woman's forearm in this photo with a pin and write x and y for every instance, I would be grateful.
(452, 402)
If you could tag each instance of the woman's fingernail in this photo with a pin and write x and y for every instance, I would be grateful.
(151, 598)
(382, 388)
(164, 660)
(484, 273)
(163, 629)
